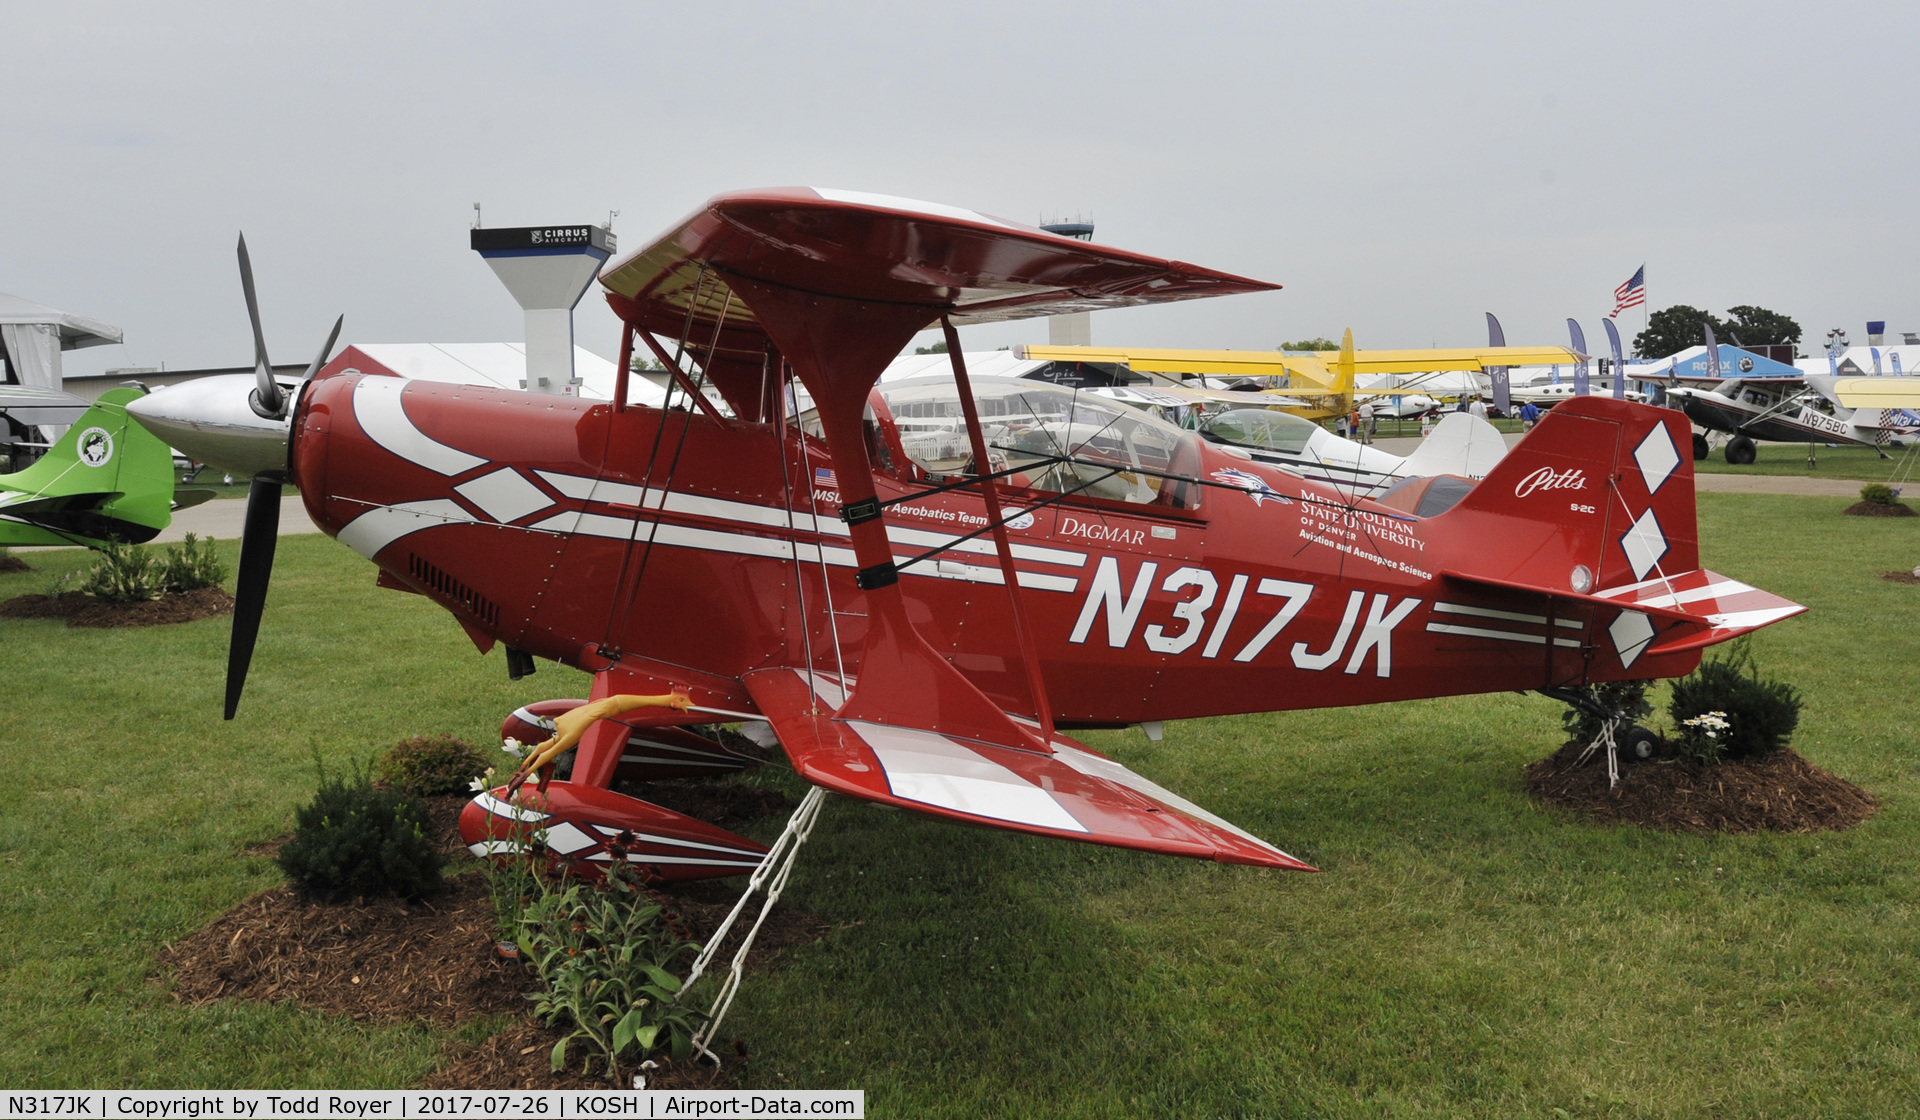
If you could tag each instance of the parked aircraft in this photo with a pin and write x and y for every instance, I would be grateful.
(1328, 379)
(1750, 397)
(922, 631)
(105, 481)
(1255, 425)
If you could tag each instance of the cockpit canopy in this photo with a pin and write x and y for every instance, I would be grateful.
(1262, 428)
(1055, 439)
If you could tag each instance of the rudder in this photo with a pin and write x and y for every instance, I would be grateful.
(1600, 485)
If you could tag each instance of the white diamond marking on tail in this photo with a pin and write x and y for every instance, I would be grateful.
(1630, 633)
(1644, 544)
(1657, 457)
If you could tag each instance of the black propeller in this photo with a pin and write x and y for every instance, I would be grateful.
(257, 542)
(261, 535)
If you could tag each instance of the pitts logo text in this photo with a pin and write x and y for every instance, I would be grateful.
(1546, 478)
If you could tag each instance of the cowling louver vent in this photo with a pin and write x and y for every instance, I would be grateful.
(452, 589)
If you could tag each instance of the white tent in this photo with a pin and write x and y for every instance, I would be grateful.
(35, 334)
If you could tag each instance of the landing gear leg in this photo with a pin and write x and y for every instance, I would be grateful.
(1617, 734)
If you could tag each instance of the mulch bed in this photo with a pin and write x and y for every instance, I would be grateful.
(389, 961)
(83, 610)
(13, 564)
(382, 960)
(1881, 509)
(1780, 793)
(1901, 577)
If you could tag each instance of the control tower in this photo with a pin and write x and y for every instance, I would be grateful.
(547, 268)
(1075, 329)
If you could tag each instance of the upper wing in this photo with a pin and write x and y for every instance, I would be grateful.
(1868, 392)
(31, 405)
(1072, 793)
(1325, 368)
(879, 253)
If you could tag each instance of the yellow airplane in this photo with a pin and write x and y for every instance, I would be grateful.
(1326, 377)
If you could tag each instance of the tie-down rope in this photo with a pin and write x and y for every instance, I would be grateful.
(777, 866)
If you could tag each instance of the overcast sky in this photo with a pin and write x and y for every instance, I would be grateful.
(1400, 168)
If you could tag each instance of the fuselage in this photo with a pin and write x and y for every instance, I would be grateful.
(1760, 410)
(693, 550)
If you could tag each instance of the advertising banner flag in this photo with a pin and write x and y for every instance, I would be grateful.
(1498, 374)
(1619, 364)
(1580, 367)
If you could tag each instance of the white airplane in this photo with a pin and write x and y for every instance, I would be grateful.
(1252, 425)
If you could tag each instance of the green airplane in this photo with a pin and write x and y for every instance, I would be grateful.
(107, 480)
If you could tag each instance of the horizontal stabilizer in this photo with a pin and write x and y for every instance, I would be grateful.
(1073, 793)
(1722, 608)
(1671, 614)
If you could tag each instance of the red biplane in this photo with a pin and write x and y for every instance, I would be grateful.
(921, 586)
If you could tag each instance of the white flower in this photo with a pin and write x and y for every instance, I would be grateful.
(1711, 724)
(513, 747)
(478, 785)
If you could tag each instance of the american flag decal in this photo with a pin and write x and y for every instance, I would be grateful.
(823, 476)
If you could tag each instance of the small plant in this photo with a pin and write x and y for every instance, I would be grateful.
(59, 585)
(1724, 711)
(124, 573)
(1626, 698)
(355, 841)
(516, 876)
(426, 765)
(1877, 493)
(191, 565)
(605, 953)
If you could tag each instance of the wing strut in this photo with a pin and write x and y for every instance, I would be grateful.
(991, 492)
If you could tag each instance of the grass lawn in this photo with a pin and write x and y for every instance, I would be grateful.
(1463, 953)
(1863, 463)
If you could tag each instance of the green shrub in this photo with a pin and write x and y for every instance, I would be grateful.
(1877, 493)
(124, 573)
(1724, 711)
(1628, 698)
(191, 565)
(355, 841)
(430, 764)
(605, 952)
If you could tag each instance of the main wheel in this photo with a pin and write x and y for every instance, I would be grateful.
(1700, 447)
(1740, 451)
(1637, 744)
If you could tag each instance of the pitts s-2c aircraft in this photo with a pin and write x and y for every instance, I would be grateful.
(922, 637)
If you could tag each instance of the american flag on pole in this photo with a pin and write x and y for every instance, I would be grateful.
(1633, 293)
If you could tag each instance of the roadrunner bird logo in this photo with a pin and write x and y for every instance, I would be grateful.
(1255, 486)
(96, 447)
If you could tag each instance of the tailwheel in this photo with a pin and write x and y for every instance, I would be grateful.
(1637, 744)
